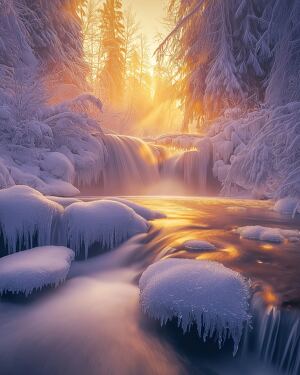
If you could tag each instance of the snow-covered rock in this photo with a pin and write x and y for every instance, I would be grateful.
(145, 212)
(206, 293)
(275, 235)
(104, 223)
(197, 245)
(288, 206)
(64, 201)
(27, 218)
(58, 165)
(34, 269)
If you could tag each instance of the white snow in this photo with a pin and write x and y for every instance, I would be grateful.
(64, 201)
(275, 235)
(206, 293)
(58, 165)
(26, 215)
(101, 222)
(288, 206)
(197, 245)
(34, 269)
(145, 212)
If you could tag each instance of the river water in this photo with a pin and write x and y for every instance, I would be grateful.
(93, 323)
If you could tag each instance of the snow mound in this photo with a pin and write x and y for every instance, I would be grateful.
(146, 213)
(206, 293)
(196, 245)
(102, 222)
(64, 201)
(275, 235)
(26, 218)
(288, 206)
(34, 269)
(59, 166)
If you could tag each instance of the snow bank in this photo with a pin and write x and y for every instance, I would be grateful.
(146, 213)
(197, 245)
(34, 269)
(26, 218)
(275, 235)
(288, 206)
(103, 223)
(206, 293)
(58, 165)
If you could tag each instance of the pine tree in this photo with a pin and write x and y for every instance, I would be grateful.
(113, 43)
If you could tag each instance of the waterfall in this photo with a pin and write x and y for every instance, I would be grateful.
(136, 167)
(191, 167)
(274, 338)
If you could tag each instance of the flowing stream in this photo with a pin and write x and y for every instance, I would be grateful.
(93, 323)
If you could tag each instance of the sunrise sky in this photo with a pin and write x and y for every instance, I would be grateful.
(150, 14)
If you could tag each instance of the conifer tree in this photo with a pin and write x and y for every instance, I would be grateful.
(113, 47)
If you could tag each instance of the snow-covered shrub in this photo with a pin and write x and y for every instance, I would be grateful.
(34, 269)
(144, 212)
(27, 218)
(103, 223)
(263, 159)
(206, 293)
(275, 235)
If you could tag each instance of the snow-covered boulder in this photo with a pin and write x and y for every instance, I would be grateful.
(103, 223)
(27, 218)
(145, 212)
(197, 245)
(288, 206)
(206, 293)
(275, 235)
(64, 201)
(58, 165)
(31, 270)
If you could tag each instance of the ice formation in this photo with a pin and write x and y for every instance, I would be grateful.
(275, 235)
(288, 206)
(206, 293)
(27, 218)
(197, 245)
(105, 223)
(145, 212)
(34, 269)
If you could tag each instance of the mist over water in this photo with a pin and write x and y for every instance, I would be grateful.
(93, 324)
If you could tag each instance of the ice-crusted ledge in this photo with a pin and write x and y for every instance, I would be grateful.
(204, 293)
(103, 222)
(34, 269)
(26, 216)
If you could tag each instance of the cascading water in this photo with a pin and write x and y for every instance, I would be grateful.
(136, 167)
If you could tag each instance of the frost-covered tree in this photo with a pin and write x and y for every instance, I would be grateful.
(113, 44)
(55, 34)
(224, 59)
